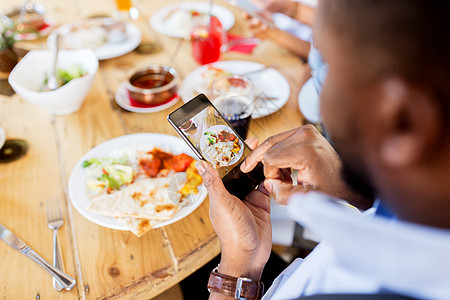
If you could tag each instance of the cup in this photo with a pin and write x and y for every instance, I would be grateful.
(126, 9)
(207, 38)
(233, 97)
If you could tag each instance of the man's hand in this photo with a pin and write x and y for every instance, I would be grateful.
(243, 226)
(306, 150)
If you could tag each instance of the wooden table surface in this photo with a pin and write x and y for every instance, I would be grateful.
(108, 264)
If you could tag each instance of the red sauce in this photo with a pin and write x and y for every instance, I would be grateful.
(149, 81)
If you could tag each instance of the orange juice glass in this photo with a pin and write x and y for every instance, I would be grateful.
(123, 5)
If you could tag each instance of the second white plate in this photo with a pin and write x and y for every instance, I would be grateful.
(269, 83)
(108, 50)
(159, 18)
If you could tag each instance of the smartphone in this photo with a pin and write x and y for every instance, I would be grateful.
(213, 139)
(252, 10)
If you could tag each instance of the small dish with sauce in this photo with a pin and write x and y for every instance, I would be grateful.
(153, 85)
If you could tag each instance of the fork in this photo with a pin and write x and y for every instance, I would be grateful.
(54, 222)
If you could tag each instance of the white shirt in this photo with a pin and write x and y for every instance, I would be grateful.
(364, 254)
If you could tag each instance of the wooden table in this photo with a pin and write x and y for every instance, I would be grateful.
(108, 264)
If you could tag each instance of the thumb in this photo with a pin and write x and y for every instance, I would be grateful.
(213, 182)
(281, 191)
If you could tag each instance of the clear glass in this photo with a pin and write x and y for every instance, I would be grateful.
(207, 39)
(125, 10)
(233, 96)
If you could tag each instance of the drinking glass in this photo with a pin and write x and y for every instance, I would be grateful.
(207, 38)
(233, 97)
(126, 9)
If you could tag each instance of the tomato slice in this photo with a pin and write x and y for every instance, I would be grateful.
(151, 167)
(180, 162)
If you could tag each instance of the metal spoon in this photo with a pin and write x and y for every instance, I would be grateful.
(172, 57)
(52, 82)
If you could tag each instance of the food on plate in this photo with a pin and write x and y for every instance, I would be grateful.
(145, 199)
(180, 21)
(93, 33)
(140, 186)
(221, 147)
(210, 75)
(63, 76)
(85, 34)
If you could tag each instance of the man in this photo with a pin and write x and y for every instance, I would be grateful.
(385, 106)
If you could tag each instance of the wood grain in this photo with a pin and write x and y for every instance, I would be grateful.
(109, 264)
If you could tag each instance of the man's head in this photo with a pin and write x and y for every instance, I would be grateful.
(385, 102)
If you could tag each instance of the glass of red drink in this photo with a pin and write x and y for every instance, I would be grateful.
(207, 38)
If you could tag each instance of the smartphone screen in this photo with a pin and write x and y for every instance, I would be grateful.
(212, 139)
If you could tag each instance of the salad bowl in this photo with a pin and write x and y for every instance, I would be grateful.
(29, 76)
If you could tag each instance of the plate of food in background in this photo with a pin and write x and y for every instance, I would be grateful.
(29, 21)
(176, 20)
(271, 89)
(106, 37)
(137, 182)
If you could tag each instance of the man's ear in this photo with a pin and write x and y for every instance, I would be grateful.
(409, 123)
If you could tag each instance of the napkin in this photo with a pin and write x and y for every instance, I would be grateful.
(244, 47)
(143, 105)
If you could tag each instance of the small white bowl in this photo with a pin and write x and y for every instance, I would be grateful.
(29, 74)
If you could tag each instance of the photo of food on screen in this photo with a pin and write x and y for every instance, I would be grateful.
(215, 140)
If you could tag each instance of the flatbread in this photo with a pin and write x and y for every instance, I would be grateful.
(148, 198)
(138, 226)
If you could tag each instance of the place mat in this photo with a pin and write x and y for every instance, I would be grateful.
(246, 48)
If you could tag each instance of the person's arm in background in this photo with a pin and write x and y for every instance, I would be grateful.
(293, 9)
(284, 39)
(318, 165)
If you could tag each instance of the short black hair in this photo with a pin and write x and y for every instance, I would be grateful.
(409, 38)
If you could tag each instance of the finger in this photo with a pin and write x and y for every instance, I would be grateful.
(281, 191)
(252, 142)
(292, 151)
(212, 181)
(258, 154)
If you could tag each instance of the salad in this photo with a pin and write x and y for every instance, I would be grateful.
(122, 168)
(64, 76)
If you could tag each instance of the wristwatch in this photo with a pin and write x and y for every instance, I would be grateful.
(239, 288)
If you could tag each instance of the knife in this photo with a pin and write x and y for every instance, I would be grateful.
(16, 243)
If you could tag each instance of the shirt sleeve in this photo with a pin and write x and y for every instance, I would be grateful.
(285, 275)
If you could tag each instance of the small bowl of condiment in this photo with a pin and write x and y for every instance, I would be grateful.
(153, 85)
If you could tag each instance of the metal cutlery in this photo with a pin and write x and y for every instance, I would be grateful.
(54, 222)
(16, 243)
(52, 81)
(258, 70)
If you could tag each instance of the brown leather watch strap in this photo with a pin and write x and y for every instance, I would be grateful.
(238, 288)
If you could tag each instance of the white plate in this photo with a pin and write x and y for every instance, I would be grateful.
(108, 50)
(77, 182)
(308, 101)
(269, 81)
(2, 137)
(158, 19)
(122, 99)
